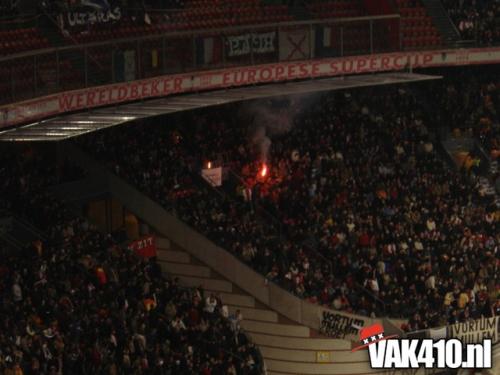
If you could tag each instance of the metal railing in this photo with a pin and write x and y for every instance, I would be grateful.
(48, 71)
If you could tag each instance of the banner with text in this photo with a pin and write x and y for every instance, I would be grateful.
(342, 326)
(89, 17)
(144, 247)
(475, 331)
(161, 86)
(251, 43)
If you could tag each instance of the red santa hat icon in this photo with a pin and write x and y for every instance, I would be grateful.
(371, 335)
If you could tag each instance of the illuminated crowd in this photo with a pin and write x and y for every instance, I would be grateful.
(77, 301)
(359, 211)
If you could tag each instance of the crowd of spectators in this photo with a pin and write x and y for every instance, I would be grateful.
(476, 19)
(80, 302)
(375, 221)
(469, 105)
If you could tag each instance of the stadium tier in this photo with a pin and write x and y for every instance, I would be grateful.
(205, 15)
(476, 20)
(249, 187)
(354, 181)
(78, 301)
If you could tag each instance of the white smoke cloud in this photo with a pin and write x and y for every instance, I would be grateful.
(269, 121)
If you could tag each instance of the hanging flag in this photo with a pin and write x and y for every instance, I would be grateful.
(327, 36)
(208, 50)
(118, 66)
(294, 44)
(327, 42)
(129, 65)
(154, 58)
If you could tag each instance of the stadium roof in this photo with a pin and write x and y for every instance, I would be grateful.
(76, 124)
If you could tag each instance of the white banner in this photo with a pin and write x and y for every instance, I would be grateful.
(84, 18)
(475, 331)
(213, 176)
(43, 107)
(260, 43)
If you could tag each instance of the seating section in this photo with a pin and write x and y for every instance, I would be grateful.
(22, 84)
(333, 188)
(416, 26)
(476, 20)
(196, 15)
(20, 40)
(206, 14)
(335, 9)
(78, 301)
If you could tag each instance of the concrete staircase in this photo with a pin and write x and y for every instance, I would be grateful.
(449, 32)
(287, 348)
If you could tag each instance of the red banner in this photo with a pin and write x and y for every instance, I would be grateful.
(144, 247)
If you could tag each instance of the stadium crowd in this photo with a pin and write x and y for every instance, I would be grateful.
(79, 302)
(469, 104)
(476, 20)
(374, 221)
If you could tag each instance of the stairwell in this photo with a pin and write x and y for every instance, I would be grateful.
(449, 33)
(286, 347)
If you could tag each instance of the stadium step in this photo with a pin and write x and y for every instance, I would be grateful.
(209, 284)
(181, 269)
(310, 355)
(275, 328)
(256, 314)
(314, 368)
(234, 299)
(300, 343)
(173, 256)
(163, 243)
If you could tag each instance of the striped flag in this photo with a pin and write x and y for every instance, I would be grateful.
(327, 41)
(327, 36)
(208, 50)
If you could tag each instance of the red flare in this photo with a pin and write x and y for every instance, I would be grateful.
(263, 171)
